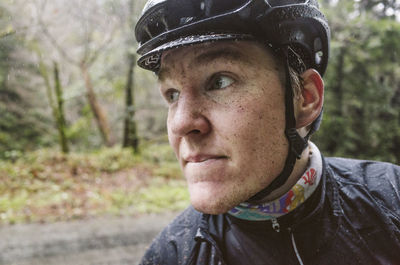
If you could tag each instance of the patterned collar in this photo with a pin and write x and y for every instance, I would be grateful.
(296, 196)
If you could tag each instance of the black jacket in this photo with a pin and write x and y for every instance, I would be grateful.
(352, 218)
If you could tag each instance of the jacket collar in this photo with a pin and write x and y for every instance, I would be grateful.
(212, 226)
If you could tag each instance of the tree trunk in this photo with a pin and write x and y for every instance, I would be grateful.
(43, 72)
(337, 132)
(57, 111)
(130, 137)
(61, 124)
(99, 114)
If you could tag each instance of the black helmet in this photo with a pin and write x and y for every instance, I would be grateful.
(295, 29)
(167, 24)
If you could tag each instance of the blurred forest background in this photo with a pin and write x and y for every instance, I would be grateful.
(82, 129)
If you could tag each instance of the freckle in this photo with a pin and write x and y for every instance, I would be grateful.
(241, 108)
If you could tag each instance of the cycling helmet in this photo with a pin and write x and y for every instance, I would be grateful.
(294, 29)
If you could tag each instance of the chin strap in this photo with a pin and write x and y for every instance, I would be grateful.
(297, 144)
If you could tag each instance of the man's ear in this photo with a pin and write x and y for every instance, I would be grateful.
(310, 101)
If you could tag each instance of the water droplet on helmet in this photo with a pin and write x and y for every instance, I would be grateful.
(202, 5)
(318, 57)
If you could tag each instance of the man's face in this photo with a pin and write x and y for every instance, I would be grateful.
(226, 120)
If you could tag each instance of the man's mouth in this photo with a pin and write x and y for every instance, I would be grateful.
(202, 158)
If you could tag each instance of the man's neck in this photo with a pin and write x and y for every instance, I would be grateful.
(298, 170)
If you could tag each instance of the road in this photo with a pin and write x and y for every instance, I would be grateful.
(115, 241)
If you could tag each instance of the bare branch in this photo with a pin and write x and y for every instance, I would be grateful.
(7, 33)
(50, 37)
(98, 51)
(54, 42)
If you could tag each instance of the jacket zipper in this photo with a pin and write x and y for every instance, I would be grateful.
(275, 225)
(277, 228)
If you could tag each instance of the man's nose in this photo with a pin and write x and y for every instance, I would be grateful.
(189, 118)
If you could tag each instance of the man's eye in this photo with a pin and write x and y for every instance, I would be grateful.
(220, 82)
(172, 95)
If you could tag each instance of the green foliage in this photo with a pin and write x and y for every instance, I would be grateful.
(158, 197)
(113, 159)
(21, 125)
(82, 133)
(172, 195)
(169, 170)
(362, 103)
(47, 185)
(162, 155)
(157, 152)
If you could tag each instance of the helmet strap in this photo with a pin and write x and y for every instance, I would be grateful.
(297, 144)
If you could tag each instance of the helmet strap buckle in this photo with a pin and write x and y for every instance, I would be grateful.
(297, 143)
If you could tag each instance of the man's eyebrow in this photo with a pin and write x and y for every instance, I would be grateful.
(227, 54)
(163, 74)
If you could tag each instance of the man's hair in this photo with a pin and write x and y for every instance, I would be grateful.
(295, 77)
(297, 82)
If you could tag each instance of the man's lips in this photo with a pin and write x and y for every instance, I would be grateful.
(202, 158)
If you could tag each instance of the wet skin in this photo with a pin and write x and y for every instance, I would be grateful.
(226, 120)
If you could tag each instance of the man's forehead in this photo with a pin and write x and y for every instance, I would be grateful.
(203, 54)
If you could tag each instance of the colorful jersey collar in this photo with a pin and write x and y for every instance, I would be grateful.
(299, 193)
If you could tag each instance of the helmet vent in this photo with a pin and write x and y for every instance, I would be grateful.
(318, 47)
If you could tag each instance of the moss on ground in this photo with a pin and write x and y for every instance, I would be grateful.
(47, 186)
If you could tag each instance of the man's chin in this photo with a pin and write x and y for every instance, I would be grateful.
(210, 210)
(213, 205)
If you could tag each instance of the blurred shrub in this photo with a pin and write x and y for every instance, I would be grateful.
(46, 185)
